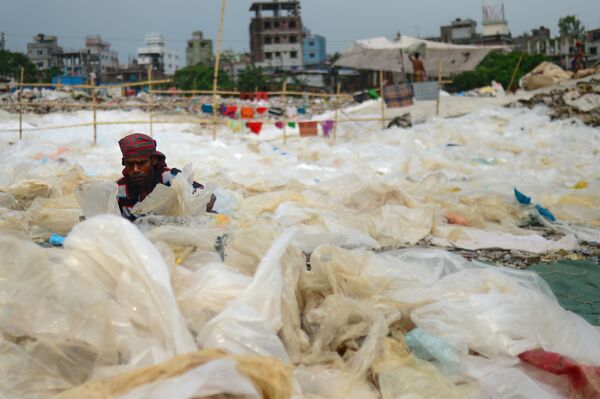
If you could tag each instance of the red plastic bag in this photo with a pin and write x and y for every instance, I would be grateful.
(584, 380)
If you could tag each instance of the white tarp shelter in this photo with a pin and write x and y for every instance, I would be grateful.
(382, 54)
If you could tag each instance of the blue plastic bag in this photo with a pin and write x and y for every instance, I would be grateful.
(429, 347)
(56, 240)
(545, 213)
(522, 198)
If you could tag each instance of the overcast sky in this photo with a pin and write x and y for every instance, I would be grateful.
(125, 22)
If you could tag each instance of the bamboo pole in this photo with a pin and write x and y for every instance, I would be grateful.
(217, 61)
(337, 109)
(94, 109)
(437, 103)
(150, 103)
(382, 100)
(21, 104)
(514, 74)
(284, 107)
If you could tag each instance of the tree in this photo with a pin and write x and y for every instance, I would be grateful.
(253, 78)
(46, 75)
(334, 57)
(495, 66)
(200, 77)
(571, 26)
(11, 63)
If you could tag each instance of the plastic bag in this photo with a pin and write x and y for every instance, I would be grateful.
(194, 374)
(97, 198)
(180, 199)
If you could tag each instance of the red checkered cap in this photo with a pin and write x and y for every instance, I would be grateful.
(137, 145)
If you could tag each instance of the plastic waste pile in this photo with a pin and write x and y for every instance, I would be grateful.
(543, 75)
(581, 101)
(307, 282)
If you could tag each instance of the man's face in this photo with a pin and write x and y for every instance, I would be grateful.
(140, 171)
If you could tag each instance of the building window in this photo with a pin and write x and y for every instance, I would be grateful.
(40, 52)
(593, 50)
(293, 39)
(267, 25)
(277, 39)
(277, 54)
(292, 24)
(276, 24)
(312, 55)
(293, 54)
(269, 56)
(311, 43)
(268, 40)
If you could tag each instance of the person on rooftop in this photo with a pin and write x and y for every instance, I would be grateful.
(418, 67)
(145, 168)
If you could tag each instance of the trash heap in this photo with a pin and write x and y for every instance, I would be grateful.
(324, 275)
(581, 102)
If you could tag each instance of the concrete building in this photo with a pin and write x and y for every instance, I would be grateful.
(592, 47)
(233, 63)
(80, 63)
(44, 52)
(108, 59)
(539, 42)
(460, 31)
(276, 35)
(199, 50)
(2, 43)
(155, 53)
(314, 48)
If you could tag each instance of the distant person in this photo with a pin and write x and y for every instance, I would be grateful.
(145, 168)
(578, 62)
(418, 67)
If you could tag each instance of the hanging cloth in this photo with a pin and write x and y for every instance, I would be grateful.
(398, 96)
(255, 127)
(279, 125)
(261, 110)
(207, 108)
(308, 129)
(247, 112)
(327, 127)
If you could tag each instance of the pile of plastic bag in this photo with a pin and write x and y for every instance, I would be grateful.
(298, 288)
(114, 314)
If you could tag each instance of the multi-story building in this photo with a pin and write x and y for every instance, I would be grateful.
(108, 59)
(539, 42)
(44, 52)
(314, 48)
(592, 46)
(162, 59)
(233, 63)
(276, 35)
(199, 50)
(460, 31)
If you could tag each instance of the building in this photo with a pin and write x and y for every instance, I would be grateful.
(2, 43)
(155, 53)
(539, 42)
(199, 50)
(314, 49)
(592, 47)
(276, 35)
(44, 52)
(460, 31)
(107, 58)
(495, 26)
(80, 63)
(233, 63)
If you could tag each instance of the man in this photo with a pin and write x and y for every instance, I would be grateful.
(418, 67)
(145, 167)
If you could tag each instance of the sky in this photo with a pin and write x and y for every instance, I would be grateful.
(124, 23)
